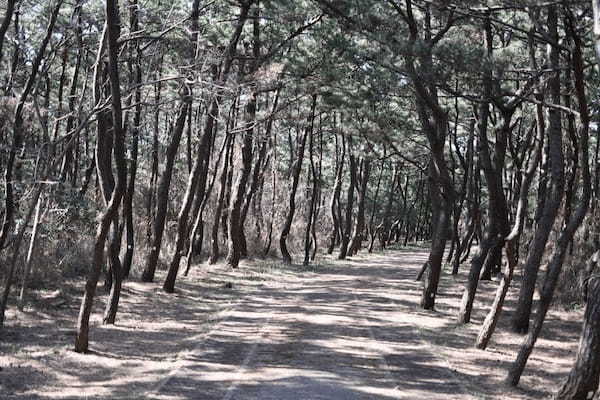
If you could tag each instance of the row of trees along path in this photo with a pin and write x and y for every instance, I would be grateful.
(167, 133)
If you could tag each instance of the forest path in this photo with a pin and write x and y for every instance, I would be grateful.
(341, 331)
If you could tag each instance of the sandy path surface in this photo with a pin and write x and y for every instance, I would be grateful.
(338, 334)
(338, 330)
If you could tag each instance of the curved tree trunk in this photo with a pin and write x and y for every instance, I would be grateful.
(199, 173)
(566, 236)
(287, 258)
(511, 247)
(358, 236)
(10, 9)
(497, 209)
(582, 382)
(347, 230)
(214, 237)
(308, 240)
(162, 195)
(135, 133)
(109, 214)
(552, 200)
(334, 205)
(17, 141)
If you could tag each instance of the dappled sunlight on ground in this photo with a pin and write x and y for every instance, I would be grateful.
(339, 330)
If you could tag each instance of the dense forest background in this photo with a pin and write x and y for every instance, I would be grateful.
(145, 135)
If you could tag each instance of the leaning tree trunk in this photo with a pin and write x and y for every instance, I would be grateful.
(214, 237)
(582, 382)
(287, 225)
(552, 200)
(82, 336)
(32, 246)
(9, 200)
(199, 173)
(511, 247)
(433, 119)
(236, 246)
(497, 211)
(258, 174)
(162, 195)
(10, 9)
(566, 236)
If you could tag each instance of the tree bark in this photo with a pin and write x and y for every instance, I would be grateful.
(334, 205)
(162, 195)
(582, 382)
(17, 139)
(358, 236)
(347, 227)
(566, 235)
(111, 210)
(297, 169)
(552, 199)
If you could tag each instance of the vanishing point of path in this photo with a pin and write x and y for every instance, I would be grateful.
(338, 332)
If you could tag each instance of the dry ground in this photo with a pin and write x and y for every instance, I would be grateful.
(339, 330)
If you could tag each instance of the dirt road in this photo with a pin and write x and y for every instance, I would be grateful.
(338, 333)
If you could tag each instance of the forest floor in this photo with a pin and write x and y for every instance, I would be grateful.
(338, 330)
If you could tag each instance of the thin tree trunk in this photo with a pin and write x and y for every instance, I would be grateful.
(349, 204)
(582, 382)
(214, 237)
(17, 141)
(511, 247)
(162, 196)
(137, 119)
(312, 202)
(357, 238)
(30, 251)
(111, 210)
(10, 9)
(566, 235)
(552, 199)
(287, 258)
(334, 205)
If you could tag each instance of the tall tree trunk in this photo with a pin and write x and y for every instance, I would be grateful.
(566, 235)
(136, 72)
(214, 237)
(69, 164)
(162, 195)
(358, 236)
(596, 8)
(497, 210)
(297, 169)
(152, 189)
(511, 246)
(334, 205)
(17, 139)
(552, 199)
(434, 123)
(236, 238)
(198, 175)
(312, 202)
(372, 230)
(10, 9)
(347, 231)
(111, 210)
